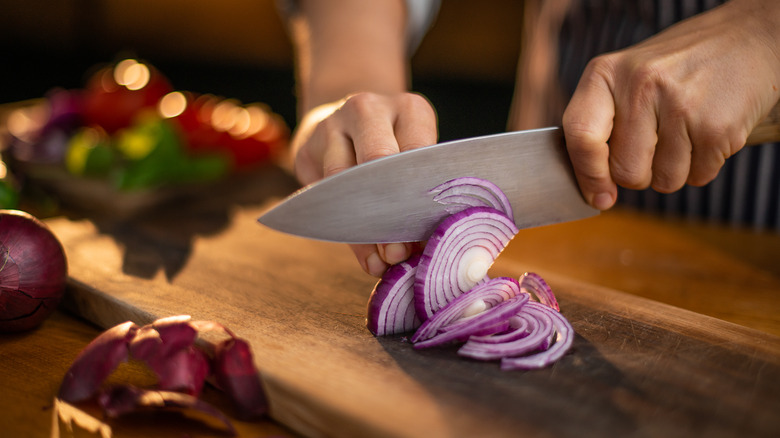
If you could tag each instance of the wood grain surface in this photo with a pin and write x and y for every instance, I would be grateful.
(638, 367)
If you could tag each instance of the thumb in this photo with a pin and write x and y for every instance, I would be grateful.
(587, 126)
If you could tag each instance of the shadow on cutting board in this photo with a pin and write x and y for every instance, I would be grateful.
(162, 237)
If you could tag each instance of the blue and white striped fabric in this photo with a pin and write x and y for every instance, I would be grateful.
(747, 189)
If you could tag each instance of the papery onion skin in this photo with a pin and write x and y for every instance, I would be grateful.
(125, 399)
(96, 362)
(166, 346)
(33, 271)
(391, 303)
(236, 374)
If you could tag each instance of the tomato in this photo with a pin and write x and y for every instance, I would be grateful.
(114, 106)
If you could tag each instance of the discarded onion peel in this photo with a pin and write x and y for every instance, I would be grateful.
(168, 347)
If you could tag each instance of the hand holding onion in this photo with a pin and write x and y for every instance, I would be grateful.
(33, 271)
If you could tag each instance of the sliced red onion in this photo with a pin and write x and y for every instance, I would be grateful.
(539, 289)
(477, 324)
(125, 399)
(564, 338)
(455, 298)
(391, 303)
(540, 326)
(461, 193)
(458, 255)
(96, 362)
(518, 326)
(482, 297)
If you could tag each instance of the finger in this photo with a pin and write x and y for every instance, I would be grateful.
(416, 123)
(712, 146)
(707, 160)
(369, 125)
(587, 124)
(393, 253)
(672, 159)
(634, 138)
(339, 154)
(369, 259)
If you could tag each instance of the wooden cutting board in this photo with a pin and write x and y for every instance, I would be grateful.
(637, 368)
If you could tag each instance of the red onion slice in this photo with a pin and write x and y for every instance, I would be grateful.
(518, 326)
(541, 328)
(476, 301)
(458, 255)
(477, 324)
(391, 304)
(539, 289)
(564, 338)
(461, 193)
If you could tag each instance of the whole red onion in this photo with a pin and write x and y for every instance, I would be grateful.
(33, 271)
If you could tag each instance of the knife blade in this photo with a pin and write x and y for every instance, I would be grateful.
(388, 199)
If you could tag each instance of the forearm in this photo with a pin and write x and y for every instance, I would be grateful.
(348, 46)
(765, 21)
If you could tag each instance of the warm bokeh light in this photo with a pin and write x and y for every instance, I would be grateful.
(172, 104)
(223, 118)
(132, 74)
(3, 170)
(205, 105)
(258, 120)
(242, 120)
(23, 123)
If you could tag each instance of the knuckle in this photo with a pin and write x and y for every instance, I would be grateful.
(663, 182)
(629, 176)
(374, 152)
(416, 103)
(361, 103)
(333, 168)
(581, 137)
(602, 65)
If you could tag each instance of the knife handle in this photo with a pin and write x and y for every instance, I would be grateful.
(768, 130)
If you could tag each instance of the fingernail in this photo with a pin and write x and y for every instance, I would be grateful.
(375, 265)
(602, 201)
(395, 253)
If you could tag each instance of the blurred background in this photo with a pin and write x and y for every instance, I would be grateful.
(239, 49)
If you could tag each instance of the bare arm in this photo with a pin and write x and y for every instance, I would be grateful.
(352, 70)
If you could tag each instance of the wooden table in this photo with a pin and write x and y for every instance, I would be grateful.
(730, 274)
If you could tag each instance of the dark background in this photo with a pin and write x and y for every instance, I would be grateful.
(239, 49)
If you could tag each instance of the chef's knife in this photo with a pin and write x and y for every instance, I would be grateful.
(389, 199)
